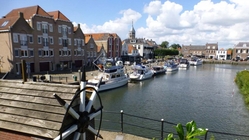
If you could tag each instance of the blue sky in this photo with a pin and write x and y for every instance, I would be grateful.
(176, 21)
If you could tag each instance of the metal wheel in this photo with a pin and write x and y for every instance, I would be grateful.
(79, 117)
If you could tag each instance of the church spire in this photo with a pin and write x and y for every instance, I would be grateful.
(132, 32)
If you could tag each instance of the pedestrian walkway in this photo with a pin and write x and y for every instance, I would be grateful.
(107, 135)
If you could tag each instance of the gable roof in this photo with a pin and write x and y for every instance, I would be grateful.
(6, 23)
(28, 12)
(102, 36)
(242, 44)
(58, 15)
(31, 108)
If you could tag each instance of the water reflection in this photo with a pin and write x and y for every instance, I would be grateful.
(206, 94)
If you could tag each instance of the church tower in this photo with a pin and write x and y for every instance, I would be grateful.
(132, 33)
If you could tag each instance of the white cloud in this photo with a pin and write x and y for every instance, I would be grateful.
(225, 22)
(119, 25)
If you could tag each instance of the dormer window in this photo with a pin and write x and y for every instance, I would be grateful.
(133, 41)
(208, 47)
(5, 23)
(213, 47)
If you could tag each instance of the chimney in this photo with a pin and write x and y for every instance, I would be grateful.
(20, 14)
(78, 25)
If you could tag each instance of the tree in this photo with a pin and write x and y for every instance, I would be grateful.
(165, 44)
(175, 46)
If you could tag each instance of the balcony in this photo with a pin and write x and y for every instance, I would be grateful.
(23, 42)
(45, 43)
(65, 44)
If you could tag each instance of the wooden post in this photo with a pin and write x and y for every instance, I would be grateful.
(24, 74)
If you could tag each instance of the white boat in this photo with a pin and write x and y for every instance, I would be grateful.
(184, 63)
(140, 72)
(195, 61)
(171, 66)
(158, 70)
(113, 77)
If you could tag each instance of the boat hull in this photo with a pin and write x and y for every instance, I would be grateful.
(110, 84)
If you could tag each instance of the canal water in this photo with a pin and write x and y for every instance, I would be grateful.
(206, 94)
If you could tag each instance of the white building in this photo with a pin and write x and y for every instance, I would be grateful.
(221, 54)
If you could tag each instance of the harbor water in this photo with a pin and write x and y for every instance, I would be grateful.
(206, 94)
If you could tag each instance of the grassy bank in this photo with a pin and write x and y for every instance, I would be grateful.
(242, 81)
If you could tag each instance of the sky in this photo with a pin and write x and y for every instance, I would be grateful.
(195, 22)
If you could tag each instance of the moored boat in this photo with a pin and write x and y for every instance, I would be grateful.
(112, 77)
(195, 61)
(158, 70)
(184, 63)
(140, 72)
(171, 66)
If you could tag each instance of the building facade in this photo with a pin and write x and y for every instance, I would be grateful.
(144, 46)
(241, 51)
(110, 41)
(205, 51)
(47, 41)
(221, 54)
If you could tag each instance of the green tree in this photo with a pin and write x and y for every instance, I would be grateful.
(175, 46)
(165, 44)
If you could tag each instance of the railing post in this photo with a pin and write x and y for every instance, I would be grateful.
(206, 134)
(162, 122)
(122, 113)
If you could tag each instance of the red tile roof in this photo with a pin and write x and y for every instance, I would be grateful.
(5, 23)
(28, 12)
(58, 15)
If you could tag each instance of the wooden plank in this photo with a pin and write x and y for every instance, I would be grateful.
(33, 92)
(31, 113)
(14, 126)
(31, 121)
(32, 106)
(28, 98)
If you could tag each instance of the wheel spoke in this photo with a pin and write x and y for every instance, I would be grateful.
(76, 136)
(65, 105)
(82, 96)
(91, 100)
(83, 136)
(67, 132)
(94, 131)
(93, 115)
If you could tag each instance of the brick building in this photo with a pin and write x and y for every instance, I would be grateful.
(48, 41)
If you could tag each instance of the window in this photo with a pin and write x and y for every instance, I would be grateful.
(30, 39)
(75, 42)
(79, 52)
(16, 53)
(95, 54)
(51, 40)
(69, 52)
(44, 28)
(213, 47)
(39, 39)
(51, 53)
(69, 41)
(82, 52)
(24, 53)
(17, 68)
(69, 30)
(60, 53)
(15, 38)
(64, 31)
(110, 41)
(40, 53)
(60, 41)
(75, 52)
(45, 41)
(31, 53)
(83, 42)
(50, 27)
(65, 43)
(45, 53)
(88, 54)
(91, 45)
(65, 53)
(23, 40)
(38, 24)
(5, 23)
(59, 29)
